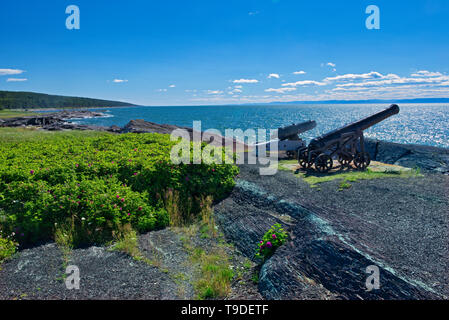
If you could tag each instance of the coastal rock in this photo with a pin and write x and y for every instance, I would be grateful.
(79, 114)
(53, 121)
(142, 126)
(427, 158)
(114, 129)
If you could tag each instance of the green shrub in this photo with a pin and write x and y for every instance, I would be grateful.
(7, 248)
(272, 239)
(96, 183)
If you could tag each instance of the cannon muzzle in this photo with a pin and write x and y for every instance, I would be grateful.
(291, 132)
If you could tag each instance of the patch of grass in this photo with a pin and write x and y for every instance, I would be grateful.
(354, 176)
(255, 278)
(215, 274)
(19, 134)
(376, 171)
(180, 277)
(64, 238)
(126, 241)
(208, 228)
(344, 185)
(6, 114)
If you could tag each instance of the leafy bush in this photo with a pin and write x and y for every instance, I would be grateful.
(96, 183)
(272, 239)
(7, 248)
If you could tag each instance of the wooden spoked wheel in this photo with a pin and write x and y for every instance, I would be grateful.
(303, 158)
(362, 160)
(323, 163)
(345, 159)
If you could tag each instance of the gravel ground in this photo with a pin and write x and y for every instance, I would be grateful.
(168, 274)
(37, 273)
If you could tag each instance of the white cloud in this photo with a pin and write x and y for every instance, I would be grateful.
(304, 83)
(161, 90)
(396, 80)
(330, 64)
(16, 80)
(119, 80)
(351, 86)
(246, 81)
(9, 72)
(236, 90)
(351, 76)
(299, 72)
(253, 13)
(238, 87)
(214, 92)
(273, 75)
(280, 90)
(425, 73)
(172, 86)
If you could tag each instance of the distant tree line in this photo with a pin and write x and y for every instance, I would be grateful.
(31, 100)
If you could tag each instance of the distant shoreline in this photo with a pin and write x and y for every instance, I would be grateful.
(218, 105)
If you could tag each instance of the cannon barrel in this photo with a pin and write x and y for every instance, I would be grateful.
(295, 129)
(354, 127)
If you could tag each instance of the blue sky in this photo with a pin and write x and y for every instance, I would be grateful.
(234, 51)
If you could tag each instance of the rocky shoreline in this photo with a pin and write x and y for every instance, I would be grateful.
(55, 121)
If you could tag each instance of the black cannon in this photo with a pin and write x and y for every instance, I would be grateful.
(292, 132)
(347, 144)
(288, 138)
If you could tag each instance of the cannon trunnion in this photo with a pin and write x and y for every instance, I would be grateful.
(346, 144)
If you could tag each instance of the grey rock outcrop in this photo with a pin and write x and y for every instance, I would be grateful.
(331, 240)
(55, 121)
(427, 158)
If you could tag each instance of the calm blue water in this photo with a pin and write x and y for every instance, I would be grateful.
(416, 123)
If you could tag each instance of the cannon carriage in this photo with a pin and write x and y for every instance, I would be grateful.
(345, 144)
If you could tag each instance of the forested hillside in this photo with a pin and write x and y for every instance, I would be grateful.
(31, 100)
